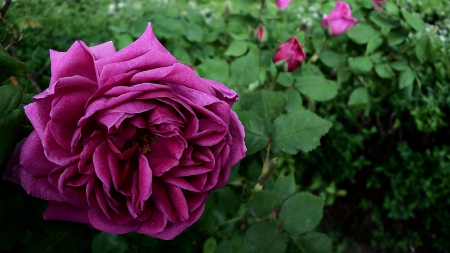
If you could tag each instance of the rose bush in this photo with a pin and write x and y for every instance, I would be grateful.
(128, 141)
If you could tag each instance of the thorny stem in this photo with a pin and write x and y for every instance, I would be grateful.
(231, 220)
(268, 169)
(273, 83)
(316, 56)
(362, 81)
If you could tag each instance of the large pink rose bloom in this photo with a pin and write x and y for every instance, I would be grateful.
(339, 20)
(128, 141)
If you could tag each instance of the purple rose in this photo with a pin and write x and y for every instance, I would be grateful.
(128, 141)
(339, 20)
(290, 54)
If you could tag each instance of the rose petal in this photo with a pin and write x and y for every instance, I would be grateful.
(165, 154)
(39, 187)
(67, 212)
(174, 229)
(77, 61)
(154, 224)
(178, 201)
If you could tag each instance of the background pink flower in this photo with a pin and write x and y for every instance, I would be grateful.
(128, 141)
(282, 4)
(290, 53)
(339, 20)
(378, 4)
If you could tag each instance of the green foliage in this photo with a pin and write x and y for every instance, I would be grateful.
(301, 213)
(113, 243)
(11, 118)
(10, 66)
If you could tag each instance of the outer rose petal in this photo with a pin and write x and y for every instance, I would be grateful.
(64, 211)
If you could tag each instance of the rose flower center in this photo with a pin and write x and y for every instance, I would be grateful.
(142, 140)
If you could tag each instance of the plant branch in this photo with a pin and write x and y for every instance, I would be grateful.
(273, 83)
(4, 8)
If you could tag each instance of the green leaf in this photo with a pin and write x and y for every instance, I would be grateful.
(309, 70)
(423, 49)
(283, 188)
(237, 48)
(10, 126)
(182, 55)
(384, 70)
(301, 213)
(332, 59)
(396, 37)
(400, 65)
(414, 21)
(343, 75)
(264, 237)
(224, 246)
(10, 66)
(293, 100)
(380, 20)
(359, 96)
(168, 28)
(286, 79)
(257, 132)
(194, 32)
(244, 70)
(214, 69)
(374, 43)
(11, 118)
(299, 130)
(391, 7)
(406, 78)
(210, 245)
(109, 243)
(138, 27)
(227, 200)
(10, 96)
(123, 40)
(56, 236)
(361, 33)
(314, 242)
(317, 88)
(360, 65)
(267, 104)
(263, 203)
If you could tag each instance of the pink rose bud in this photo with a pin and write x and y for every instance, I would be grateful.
(282, 4)
(127, 141)
(339, 20)
(378, 5)
(261, 33)
(290, 54)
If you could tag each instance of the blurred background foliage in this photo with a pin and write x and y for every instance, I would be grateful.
(383, 168)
